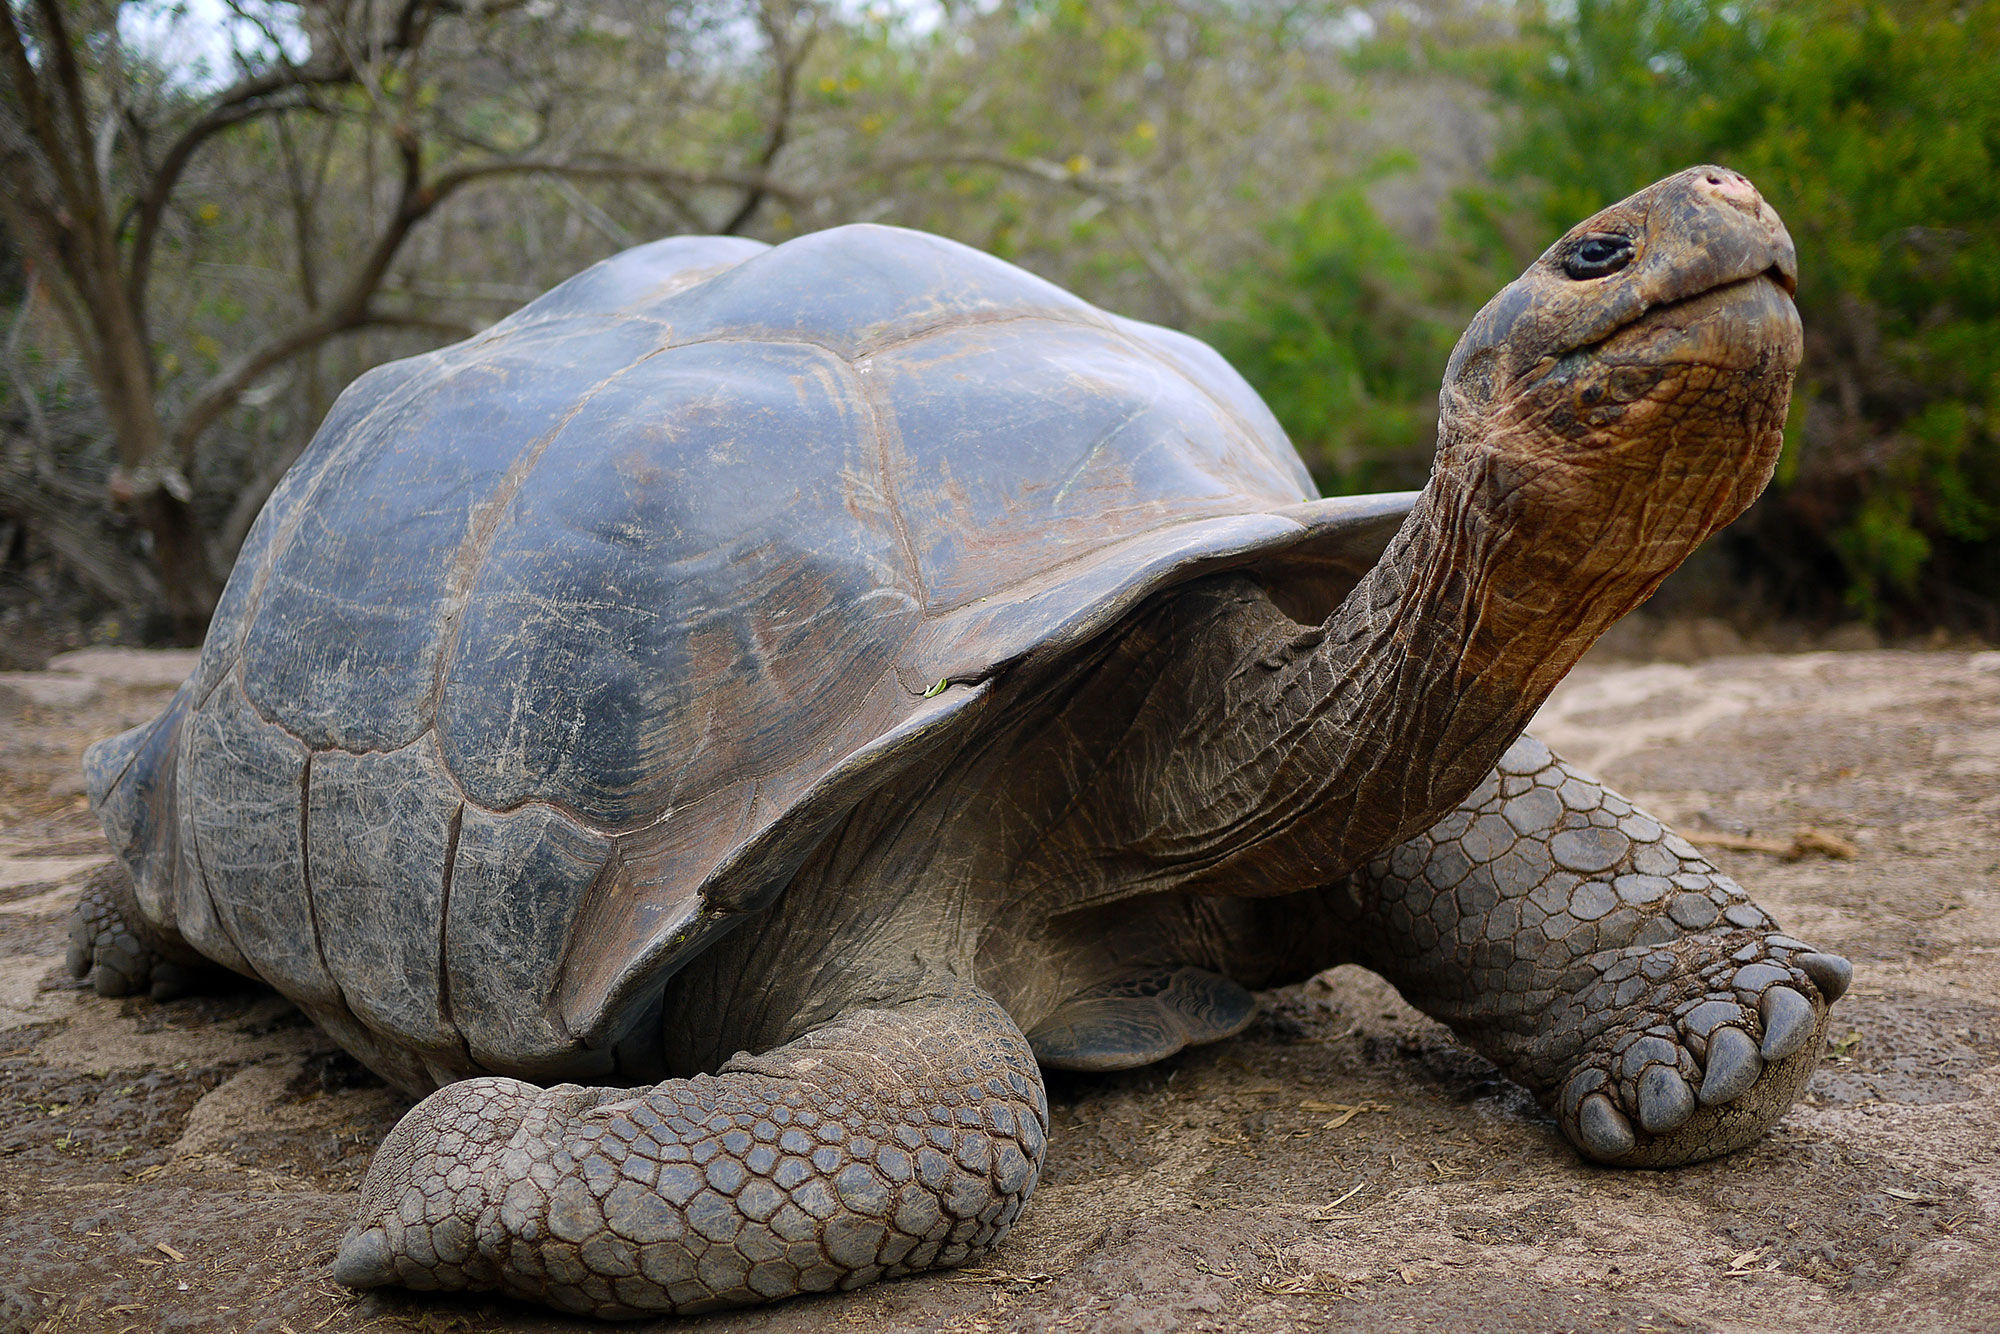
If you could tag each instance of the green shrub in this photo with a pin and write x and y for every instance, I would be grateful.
(1874, 130)
(1344, 328)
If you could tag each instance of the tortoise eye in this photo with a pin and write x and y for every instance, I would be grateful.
(1595, 256)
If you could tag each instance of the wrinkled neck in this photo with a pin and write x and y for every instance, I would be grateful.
(1347, 738)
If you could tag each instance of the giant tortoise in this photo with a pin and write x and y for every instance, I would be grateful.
(728, 726)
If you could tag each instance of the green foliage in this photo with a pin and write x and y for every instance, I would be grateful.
(1874, 129)
(1344, 329)
(1204, 165)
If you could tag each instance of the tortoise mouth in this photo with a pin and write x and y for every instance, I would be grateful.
(1734, 324)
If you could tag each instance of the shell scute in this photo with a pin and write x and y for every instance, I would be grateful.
(859, 288)
(381, 834)
(245, 783)
(371, 395)
(636, 281)
(360, 584)
(1101, 441)
(517, 881)
(703, 548)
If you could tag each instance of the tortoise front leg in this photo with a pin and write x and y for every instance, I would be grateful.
(887, 1141)
(1599, 961)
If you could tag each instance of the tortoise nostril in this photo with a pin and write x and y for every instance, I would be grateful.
(1729, 187)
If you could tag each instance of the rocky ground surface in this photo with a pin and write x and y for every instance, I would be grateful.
(190, 1165)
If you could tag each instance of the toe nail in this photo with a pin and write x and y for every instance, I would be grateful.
(77, 956)
(364, 1260)
(1789, 1020)
(1708, 1016)
(1755, 977)
(1829, 972)
(1580, 1086)
(1665, 1100)
(1733, 1066)
(1603, 1128)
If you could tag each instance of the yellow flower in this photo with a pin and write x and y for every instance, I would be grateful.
(209, 212)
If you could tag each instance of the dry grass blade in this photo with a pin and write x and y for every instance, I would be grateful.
(1344, 1111)
(1807, 842)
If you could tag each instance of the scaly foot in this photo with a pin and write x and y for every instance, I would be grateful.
(117, 957)
(1600, 961)
(1716, 1036)
(886, 1142)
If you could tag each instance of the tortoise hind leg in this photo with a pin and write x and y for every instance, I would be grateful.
(1599, 961)
(113, 939)
(109, 944)
(890, 1140)
(1141, 1017)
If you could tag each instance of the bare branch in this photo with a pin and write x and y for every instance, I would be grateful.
(607, 225)
(38, 424)
(1176, 284)
(790, 58)
(63, 514)
(43, 132)
(348, 311)
(612, 170)
(664, 198)
(233, 108)
(35, 220)
(224, 391)
(390, 319)
(76, 105)
(352, 309)
(1039, 169)
(282, 89)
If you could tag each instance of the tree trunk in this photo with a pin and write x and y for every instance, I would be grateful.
(187, 581)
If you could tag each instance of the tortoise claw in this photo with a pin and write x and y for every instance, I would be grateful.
(1665, 1100)
(1733, 1067)
(1789, 1020)
(365, 1260)
(1603, 1128)
(1829, 972)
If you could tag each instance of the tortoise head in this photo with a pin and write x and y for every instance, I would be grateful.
(1625, 397)
(1601, 416)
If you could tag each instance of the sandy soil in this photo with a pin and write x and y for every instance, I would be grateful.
(190, 1165)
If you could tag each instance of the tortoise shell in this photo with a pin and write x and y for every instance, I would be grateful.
(562, 648)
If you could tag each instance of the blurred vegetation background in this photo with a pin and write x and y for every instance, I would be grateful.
(218, 212)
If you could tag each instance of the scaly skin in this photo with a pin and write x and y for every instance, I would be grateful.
(1600, 962)
(108, 946)
(887, 1142)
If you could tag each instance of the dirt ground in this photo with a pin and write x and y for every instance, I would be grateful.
(190, 1165)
